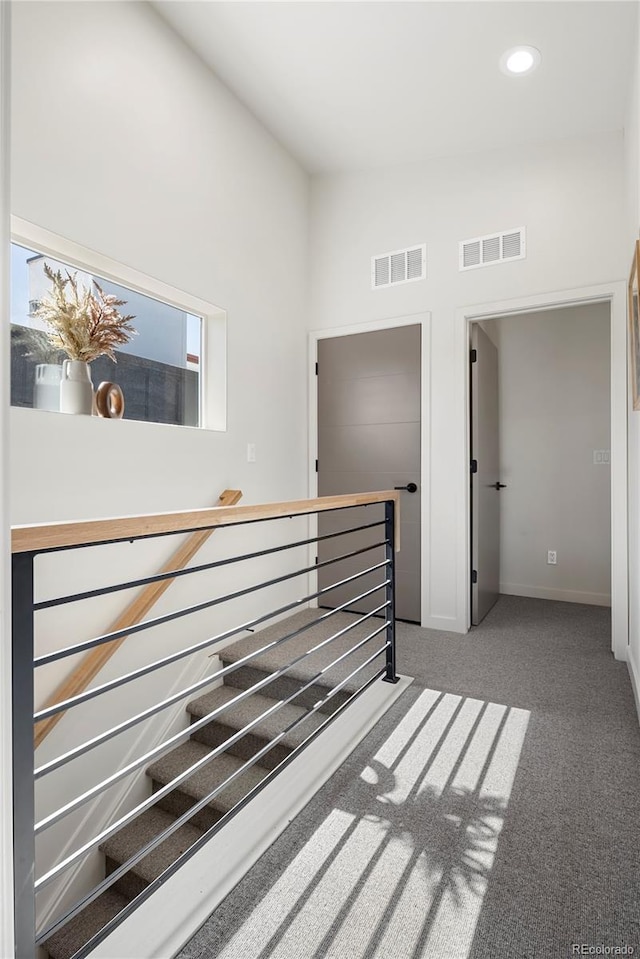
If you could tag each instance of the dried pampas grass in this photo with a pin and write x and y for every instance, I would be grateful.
(84, 323)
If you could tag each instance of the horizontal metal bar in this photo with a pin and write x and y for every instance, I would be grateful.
(65, 704)
(174, 574)
(185, 734)
(203, 683)
(196, 767)
(195, 847)
(177, 614)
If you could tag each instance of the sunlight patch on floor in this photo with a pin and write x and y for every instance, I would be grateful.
(401, 865)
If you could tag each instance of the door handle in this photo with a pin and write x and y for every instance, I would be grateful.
(500, 486)
(410, 487)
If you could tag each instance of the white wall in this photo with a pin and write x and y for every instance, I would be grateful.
(163, 170)
(124, 142)
(568, 195)
(554, 386)
(632, 207)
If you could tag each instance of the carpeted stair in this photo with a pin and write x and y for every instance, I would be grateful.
(145, 827)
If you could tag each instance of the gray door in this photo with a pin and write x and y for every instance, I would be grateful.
(369, 439)
(485, 486)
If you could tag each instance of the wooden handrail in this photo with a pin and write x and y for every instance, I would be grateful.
(53, 536)
(93, 662)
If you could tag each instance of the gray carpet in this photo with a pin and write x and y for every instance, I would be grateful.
(493, 813)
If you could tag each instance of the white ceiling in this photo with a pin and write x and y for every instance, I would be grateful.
(354, 86)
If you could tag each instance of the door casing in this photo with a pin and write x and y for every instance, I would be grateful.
(615, 294)
(424, 321)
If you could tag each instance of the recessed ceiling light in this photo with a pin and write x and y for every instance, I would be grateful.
(519, 60)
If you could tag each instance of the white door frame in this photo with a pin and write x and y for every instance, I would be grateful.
(415, 319)
(616, 295)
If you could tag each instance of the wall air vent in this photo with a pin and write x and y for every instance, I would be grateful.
(495, 248)
(399, 266)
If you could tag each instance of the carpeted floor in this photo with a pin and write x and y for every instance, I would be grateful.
(493, 813)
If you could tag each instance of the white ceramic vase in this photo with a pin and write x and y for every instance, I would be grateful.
(46, 390)
(76, 389)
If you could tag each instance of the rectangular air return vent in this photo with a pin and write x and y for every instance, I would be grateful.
(399, 266)
(495, 248)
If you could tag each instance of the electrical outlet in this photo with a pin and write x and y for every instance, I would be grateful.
(552, 557)
(251, 452)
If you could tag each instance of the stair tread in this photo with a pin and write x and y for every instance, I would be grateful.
(66, 942)
(236, 717)
(207, 778)
(305, 670)
(126, 842)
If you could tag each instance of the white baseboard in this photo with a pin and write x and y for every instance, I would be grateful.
(561, 595)
(160, 926)
(635, 685)
(448, 624)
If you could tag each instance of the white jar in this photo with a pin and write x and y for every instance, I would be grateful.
(46, 389)
(76, 389)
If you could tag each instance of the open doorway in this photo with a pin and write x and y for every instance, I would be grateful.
(540, 490)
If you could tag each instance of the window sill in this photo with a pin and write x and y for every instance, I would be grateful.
(125, 424)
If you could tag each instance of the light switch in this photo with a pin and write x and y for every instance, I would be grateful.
(251, 452)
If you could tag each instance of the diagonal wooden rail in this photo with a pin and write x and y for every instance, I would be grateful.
(137, 609)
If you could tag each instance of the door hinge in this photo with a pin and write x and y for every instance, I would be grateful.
(474, 576)
(474, 356)
(474, 466)
(316, 369)
(316, 466)
(316, 560)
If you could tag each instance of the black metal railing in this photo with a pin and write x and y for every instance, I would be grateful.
(380, 597)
